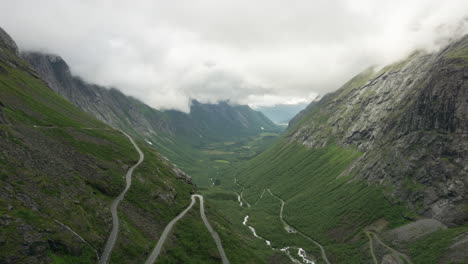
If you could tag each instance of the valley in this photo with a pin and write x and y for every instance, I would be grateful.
(373, 172)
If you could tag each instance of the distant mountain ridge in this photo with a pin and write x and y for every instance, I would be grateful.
(210, 121)
(282, 113)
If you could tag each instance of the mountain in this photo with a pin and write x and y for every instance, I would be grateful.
(178, 135)
(386, 154)
(281, 113)
(60, 169)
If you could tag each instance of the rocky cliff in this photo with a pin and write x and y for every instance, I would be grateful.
(7, 43)
(410, 121)
(387, 153)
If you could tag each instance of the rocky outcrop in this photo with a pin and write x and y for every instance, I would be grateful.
(410, 122)
(413, 231)
(180, 174)
(3, 119)
(7, 43)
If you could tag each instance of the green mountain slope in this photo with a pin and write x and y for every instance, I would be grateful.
(385, 150)
(61, 168)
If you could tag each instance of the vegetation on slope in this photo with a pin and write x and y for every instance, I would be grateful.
(431, 248)
(61, 167)
(327, 207)
(189, 242)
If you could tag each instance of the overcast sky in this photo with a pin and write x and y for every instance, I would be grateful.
(257, 52)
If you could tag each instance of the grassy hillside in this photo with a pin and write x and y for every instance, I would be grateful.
(327, 207)
(190, 243)
(234, 234)
(321, 202)
(62, 167)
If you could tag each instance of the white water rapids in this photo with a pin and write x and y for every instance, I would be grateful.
(239, 199)
(252, 229)
(300, 251)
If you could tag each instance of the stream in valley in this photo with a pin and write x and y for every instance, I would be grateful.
(296, 254)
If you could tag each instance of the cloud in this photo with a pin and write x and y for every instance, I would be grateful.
(260, 52)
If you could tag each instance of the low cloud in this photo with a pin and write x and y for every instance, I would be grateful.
(261, 52)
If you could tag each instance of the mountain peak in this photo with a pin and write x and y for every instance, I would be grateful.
(46, 59)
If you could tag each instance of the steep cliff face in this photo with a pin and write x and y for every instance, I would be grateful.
(387, 149)
(108, 105)
(7, 43)
(410, 121)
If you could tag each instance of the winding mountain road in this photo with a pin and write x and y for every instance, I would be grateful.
(157, 249)
(104, 259)
(115, 218)
(261, 196)
(211, 230)
(287, 227)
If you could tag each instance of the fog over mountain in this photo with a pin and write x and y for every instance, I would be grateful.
(168, 52)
